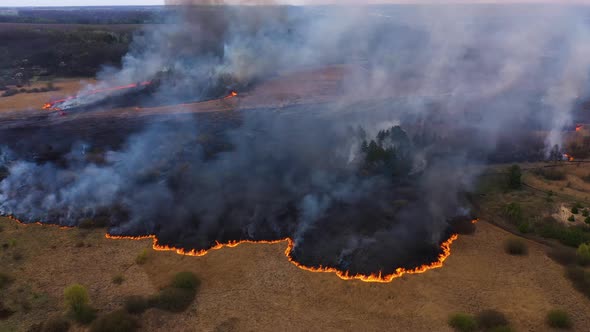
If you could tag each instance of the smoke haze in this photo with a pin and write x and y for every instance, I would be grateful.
(457, 82)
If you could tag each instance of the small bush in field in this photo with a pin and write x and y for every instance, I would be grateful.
(118, 279)
(463, 322)
(117, 321)
(516, 247)
(559, 319)
(488, 319)
(136, 304)
(142, 257)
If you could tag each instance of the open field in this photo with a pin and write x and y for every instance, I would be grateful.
(34, 101)
(249, 287)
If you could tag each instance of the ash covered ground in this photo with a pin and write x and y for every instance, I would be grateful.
(364, 172)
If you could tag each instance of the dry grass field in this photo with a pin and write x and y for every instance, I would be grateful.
(26, 101)
(254, 288)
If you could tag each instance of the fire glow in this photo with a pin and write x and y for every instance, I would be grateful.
(344, 275)
(579, 127)
(51, 105)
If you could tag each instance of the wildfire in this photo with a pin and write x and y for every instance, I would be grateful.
(579, 127)
(51, 105)
(568, 157)
(35, 223)
(231, 95)
(344, 275)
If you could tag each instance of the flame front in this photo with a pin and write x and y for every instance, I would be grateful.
(579, 127)
(344, 275)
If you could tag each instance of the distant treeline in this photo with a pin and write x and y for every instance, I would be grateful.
(87, 15)
(36, 51)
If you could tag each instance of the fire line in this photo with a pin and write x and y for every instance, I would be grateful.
(344, 275)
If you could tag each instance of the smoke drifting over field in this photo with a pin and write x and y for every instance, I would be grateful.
(458, 82)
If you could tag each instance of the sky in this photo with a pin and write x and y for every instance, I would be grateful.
(24, 3)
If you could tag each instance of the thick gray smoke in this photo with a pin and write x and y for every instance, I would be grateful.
(458, 80)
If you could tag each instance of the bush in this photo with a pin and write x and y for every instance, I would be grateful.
(462, 322)
(580, 278)
(559, 319)
(514, 177)
(117, 321)
(516, 247)
(173, 299)
(55, 324)
(76, 298)
(575, 210)
(563, 256)
(513, 212)
(524, 227)
(571, 218)
(186, 280)
(5, 280)
(550, 174)
(118, 279)
(142, 257)
(488, 319)
(136, 304)
(570, 236)
(583, 254)
(587, 220)
(585, 213)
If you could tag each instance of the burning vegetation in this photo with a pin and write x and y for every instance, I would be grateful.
(366, 186)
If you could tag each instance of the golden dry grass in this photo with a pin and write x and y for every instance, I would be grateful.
(25, 101)
(254, 287)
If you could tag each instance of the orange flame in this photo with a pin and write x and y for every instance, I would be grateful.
(36, 223)
(344, 275)
(50, 105)
(568, 157)
(579, 127)
(231, 95)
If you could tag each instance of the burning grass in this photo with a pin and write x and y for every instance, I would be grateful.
(345, 275)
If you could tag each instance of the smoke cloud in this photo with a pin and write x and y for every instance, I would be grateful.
(451, 84)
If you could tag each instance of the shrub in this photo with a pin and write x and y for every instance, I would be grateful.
(462, 322)
(570, 236)
(76, 298)
(173, 299)
(118, 279)
(587, 220)
(488, 319)
(55, 324)
(136, 304)
(186, 280)
(563, 256)
(559, 319)
(524, 227)
(580, 278)
(571, 218)
(116, 321)
(513, 212)
(575, 210)
(515, 247)
(5, 280)
(142, 257)
(583, 254)
(585, 213)
(550, 174)
(514, 177)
